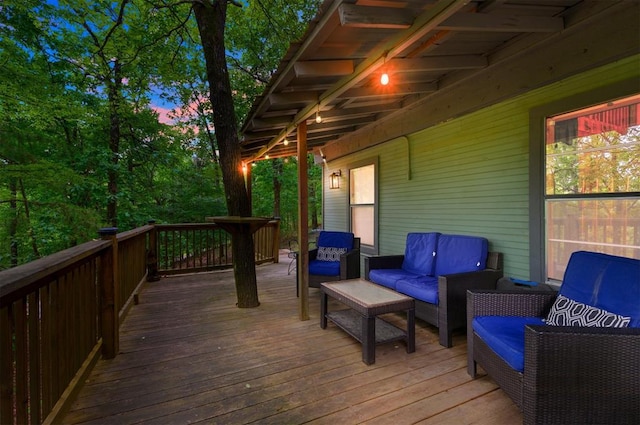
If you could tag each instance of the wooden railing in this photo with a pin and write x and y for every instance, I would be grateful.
(58, 314)
(199, 247)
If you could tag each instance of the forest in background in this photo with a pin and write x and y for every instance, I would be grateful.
(105, 119)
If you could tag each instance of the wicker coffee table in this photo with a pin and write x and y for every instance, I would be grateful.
(366, 301)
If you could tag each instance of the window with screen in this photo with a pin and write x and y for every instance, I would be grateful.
(592, 182)
(362, 205)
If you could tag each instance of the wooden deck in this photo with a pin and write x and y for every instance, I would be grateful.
(188, 355)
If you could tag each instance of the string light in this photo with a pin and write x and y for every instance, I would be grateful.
(384, 78)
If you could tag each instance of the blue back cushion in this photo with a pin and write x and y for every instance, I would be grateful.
(335, 239)
(419, 253)
(604, 281)
(460, 254)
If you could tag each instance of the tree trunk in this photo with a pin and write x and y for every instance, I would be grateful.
(114, 95)
(211, 17)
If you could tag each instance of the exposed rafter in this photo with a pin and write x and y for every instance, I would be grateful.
(421, 44)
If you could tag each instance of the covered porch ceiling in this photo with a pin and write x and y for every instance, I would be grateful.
(424, 45)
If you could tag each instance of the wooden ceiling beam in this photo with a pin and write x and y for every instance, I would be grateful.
(292, 98)
(500, 23)
(437, 63)
(393, 90)
(328, 68)
(394, 46)
(355, 16)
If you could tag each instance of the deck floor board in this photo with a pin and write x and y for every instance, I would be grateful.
(189, 355)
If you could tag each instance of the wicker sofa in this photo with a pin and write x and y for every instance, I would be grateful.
(557, 354)
(437, 270)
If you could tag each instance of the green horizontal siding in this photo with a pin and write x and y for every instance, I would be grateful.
(468, 176)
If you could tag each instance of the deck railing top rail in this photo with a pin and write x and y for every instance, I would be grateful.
(19, 281)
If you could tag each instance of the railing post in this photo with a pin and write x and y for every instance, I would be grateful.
(152, 254)
(109, 295)
(276, 240)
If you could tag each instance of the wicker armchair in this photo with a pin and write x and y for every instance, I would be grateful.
(571, 374)
(346, 266)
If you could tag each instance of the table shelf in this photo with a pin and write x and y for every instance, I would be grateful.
(351, 322)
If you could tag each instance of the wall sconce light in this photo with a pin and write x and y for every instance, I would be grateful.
(334, 180)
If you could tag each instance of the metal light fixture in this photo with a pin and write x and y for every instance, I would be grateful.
(334, 180)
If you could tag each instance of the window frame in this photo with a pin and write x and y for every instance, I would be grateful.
(537, 157)
(366, 249)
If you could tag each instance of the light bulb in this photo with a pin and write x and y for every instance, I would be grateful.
(384, 79)
(285, 141)
(318, 117)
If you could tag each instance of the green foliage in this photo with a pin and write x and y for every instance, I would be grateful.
(71, 71)
(602, 163)
(263, 175)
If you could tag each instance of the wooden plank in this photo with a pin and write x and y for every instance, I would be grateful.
(355, 16)
(46, 338)
(323, 68)
(34, 358)
(501, 23)
(21, 356)
(189, 355)
(490, 409)
(6, 363)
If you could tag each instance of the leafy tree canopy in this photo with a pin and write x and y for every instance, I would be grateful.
(106, 117)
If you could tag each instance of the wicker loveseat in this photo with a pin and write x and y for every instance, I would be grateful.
(557, 355)
(436, 270)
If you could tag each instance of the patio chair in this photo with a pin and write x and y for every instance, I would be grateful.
(336, 257)
(557, 354)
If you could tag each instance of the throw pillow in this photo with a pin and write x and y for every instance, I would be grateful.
(328, 253)
(568, 312)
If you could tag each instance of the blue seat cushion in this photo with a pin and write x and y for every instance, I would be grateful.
(420, 252)
(604, 281)
(460, 254)
(505, 336)
(389, 277)
(324, 268)
(424, 288)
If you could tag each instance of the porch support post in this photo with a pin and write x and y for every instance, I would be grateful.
(303, 223)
